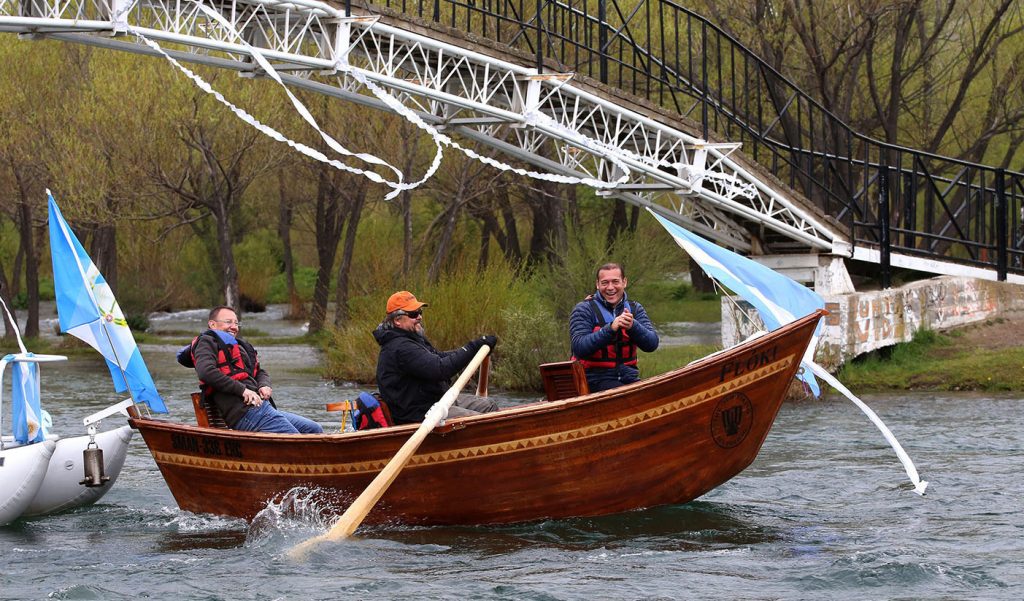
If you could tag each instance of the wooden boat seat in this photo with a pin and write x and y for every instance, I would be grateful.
(564, 380)
(207, 416)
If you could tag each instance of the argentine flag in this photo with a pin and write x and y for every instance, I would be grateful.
(778, 299)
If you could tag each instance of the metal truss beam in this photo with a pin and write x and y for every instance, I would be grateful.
(540, 118)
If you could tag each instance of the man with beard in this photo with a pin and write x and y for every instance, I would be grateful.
(412, 375)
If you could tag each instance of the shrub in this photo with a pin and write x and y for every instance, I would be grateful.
(257, 261)
(463, 305)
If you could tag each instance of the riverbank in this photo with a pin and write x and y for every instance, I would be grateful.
(987, 356)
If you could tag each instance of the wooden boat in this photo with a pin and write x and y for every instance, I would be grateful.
(666, 439)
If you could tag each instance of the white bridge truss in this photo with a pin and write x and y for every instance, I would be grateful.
(539, 118)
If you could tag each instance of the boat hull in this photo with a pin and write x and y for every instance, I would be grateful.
(22, 470)
(667, 439)
(61, 489)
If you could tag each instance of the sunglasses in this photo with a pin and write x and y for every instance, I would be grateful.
(411, 314)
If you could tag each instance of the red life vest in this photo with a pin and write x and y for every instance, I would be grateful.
(620, 351)
(231, 361)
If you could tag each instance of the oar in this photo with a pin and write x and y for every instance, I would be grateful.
(357, 511)
(485, 372)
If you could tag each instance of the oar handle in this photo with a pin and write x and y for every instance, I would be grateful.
(485, 373)
(358, 510)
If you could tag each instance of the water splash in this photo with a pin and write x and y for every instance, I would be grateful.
(296, 512)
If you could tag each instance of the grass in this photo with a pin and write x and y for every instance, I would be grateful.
(673, 300)
(935, 361)
(667, 358)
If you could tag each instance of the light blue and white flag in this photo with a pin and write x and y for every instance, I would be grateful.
(779, 300)
(26, 413)
(88, 311)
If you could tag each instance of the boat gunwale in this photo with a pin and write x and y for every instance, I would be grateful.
(507, 414)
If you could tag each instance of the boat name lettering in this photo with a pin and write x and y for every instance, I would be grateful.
(185, 443)
(751, 362)
(211, 446)
(207, 446)
(233, 448)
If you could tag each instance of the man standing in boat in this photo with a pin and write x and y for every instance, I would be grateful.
(233, 381)
(605, 330)
(412, 375)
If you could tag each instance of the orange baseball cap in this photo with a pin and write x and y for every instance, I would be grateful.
(404, 301)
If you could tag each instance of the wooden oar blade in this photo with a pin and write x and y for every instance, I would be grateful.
(358, 510)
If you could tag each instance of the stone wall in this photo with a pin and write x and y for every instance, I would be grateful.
(860, 322)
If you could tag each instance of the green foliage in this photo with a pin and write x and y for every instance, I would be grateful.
(646, 255)
(257, 259)
(667, 358)
(138, 322)
(531, 337)
(463, 305)
(46, 293)
(670, 299)
(305, 279)
(934, 361)
(203, 282)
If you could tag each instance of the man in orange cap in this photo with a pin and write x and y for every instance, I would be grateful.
(412, 375)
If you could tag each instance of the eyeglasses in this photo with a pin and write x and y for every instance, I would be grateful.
(230, 322)
(411, 314)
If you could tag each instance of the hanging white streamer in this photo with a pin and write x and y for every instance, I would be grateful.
(246, 117)
(440, 138)
(908, 465)
(613, 154)
(398, 187)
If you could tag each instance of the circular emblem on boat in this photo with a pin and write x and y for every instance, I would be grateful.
(732, 420)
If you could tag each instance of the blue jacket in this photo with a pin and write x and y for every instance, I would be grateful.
(586, 342)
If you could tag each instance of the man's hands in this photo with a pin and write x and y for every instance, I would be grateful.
(624, 320)
(488, 339)
(251, 398)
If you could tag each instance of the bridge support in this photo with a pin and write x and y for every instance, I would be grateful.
(827, 274)
(860, 322)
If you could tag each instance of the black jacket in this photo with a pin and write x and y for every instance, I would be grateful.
(412, 375)
(225, 393)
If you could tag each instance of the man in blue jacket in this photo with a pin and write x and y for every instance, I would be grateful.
(412, 375)
(605, 330)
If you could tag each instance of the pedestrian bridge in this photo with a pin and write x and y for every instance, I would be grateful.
(653, 105)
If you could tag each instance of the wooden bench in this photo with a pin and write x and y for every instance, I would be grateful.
(207, 416)
(564, 380)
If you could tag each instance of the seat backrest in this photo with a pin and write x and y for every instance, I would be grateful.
(564, 380)
(207, 416)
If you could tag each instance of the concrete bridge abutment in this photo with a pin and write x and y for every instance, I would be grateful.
(860, 322)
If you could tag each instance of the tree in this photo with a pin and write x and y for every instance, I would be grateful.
(222, 158)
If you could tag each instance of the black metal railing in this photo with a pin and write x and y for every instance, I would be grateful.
(890, 198)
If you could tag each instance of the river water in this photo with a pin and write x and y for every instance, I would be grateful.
(825, 512)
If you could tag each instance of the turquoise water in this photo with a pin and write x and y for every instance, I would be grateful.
(826, 512)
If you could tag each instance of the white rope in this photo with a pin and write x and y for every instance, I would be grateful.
(247, 118)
